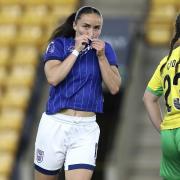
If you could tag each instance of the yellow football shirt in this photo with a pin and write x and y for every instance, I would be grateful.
(167, 83)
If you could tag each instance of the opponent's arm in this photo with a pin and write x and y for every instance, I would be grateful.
(153, 108)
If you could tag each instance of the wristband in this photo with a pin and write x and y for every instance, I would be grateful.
(75, 52)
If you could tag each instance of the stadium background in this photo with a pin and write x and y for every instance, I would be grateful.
(140, 32)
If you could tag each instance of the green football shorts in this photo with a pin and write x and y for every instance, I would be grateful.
(170, 160)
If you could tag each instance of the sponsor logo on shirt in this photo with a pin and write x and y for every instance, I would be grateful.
(83, 51)
(177, 103)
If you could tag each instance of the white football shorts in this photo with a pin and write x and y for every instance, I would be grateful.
(66, 140)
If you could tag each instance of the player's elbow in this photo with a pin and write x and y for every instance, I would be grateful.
(52, 81)
(115, 90)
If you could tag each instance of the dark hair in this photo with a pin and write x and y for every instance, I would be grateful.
(66, 29)
(173, 41)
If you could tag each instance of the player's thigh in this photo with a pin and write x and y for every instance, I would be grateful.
(78, 174)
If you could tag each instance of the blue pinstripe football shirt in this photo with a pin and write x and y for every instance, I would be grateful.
(82, 88)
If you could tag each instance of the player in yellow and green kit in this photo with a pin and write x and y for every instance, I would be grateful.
(166, 82)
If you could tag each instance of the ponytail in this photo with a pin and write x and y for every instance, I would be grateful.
(176, 36)
(66, 29)
(173, 42)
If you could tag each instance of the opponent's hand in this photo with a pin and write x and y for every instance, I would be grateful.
(80, 42)
(99, 45)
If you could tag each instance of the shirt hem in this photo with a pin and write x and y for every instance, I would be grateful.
(78, 109)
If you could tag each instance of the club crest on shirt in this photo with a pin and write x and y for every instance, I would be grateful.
(50, 48)
(39, 155)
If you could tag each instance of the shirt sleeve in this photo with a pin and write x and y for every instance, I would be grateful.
(110, 54)
(155, 85)
(55, 50)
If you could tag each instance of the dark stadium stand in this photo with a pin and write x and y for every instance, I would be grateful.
(158, 26)
(24, 31)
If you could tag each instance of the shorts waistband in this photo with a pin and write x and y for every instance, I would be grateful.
(72, 119)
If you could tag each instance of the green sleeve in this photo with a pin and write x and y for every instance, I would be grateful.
(157, 92)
